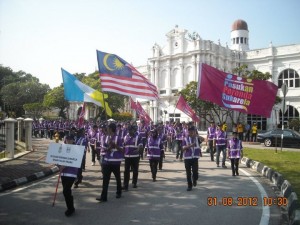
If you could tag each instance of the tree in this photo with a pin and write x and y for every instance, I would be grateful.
(15, 95)
(34, 109)
(55, 99)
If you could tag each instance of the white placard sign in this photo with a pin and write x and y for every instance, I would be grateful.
(65, 154)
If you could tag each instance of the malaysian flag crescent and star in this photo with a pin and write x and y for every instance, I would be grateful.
(120, 77)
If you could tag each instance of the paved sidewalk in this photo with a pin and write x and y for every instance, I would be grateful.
(26, 167)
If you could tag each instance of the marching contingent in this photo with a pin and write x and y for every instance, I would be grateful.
(110, 143)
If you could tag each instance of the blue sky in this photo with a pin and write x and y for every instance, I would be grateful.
(41, 36)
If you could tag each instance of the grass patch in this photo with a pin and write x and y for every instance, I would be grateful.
(285, 162)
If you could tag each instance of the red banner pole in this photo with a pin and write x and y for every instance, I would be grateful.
(56, 189)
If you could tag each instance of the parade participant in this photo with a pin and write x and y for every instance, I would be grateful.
(210, 139)
(56, 137)
(224, 127)
(153, 149)
(240, 131)
(192, 152)
(81, 140)
(102, 149)
(68, 176)
(254, 132)
(248, 129)
(93, 137)
(170, 133)
(235, 152)
(163, 137)
(143, 132)
(178, 140)
(132, 144)
(51, 127)
(111, 162)
(220, 141)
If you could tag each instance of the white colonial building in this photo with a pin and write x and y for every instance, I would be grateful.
(175, 63)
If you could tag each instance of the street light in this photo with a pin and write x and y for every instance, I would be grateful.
(284, 89)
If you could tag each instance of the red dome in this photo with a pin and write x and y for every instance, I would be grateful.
(239, 25)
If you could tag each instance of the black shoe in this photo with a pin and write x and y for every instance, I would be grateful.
(154, 179)
(125, 188)
(160, 169)
(218, 165)
(118, 196)
(212, 160)
(237, 173)
(101, 199)
(233, 174)
(189, 189)
(223, 166)
(194, 183)
(75, 185)
(134, 185)
(69, 212)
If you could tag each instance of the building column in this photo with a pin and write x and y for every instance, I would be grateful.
(155, 103)
(181, 74)
(168, 83)
(20, 128)
(10, 136)
(28, 134)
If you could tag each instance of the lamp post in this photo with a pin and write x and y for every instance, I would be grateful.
(284, 90)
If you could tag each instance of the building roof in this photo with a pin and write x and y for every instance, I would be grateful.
(239, 25)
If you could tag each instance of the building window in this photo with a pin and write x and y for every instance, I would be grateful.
(174, 91)
(290, 77)
(174, 117)
(242, 40)
(163, 92)
(233, 40)
(259, 120)
(291, 113)
(245, 40)
(237, 40)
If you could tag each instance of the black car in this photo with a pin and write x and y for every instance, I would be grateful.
(291, 138)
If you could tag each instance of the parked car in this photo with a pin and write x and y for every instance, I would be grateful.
(291, 138)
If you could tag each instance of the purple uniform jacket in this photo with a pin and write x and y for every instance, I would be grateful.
(82, 141)
(234, 147)
(69, 172)
(211, 133)
(143, 131)
(220, 137)
(131, 146)
(93, 137)
(102, 144)
(113, 156)
(193, 152)
(154, 148)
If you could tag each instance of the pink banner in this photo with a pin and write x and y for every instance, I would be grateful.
(142, 113)
(139, 109)
(236, 93)
(184, 107)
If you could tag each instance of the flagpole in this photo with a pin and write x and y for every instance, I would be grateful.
(104, 106)
(175, 108)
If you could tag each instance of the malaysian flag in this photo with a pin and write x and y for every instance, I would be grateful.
(120, 77)
(184, 107)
